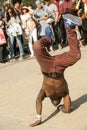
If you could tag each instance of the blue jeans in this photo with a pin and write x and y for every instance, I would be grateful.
(19, 41)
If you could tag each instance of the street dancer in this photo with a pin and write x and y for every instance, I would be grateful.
(54, 84)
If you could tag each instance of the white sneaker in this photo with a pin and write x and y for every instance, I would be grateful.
(59, 46)
(51, 48)
(31, 55)
(12, 59)
(21, 58)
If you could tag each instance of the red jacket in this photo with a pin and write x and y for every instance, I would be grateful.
(59, 62)
(64, 6)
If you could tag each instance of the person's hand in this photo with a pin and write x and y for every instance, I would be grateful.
(38, 122)
(55, 23)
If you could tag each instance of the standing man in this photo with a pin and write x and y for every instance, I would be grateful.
(64, 8)
(52, 7)
(54, 84)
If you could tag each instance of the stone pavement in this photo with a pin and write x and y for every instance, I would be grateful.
(19, 86)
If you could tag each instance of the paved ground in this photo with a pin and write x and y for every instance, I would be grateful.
(19, 86)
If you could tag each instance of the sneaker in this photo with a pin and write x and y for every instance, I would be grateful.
(59, 46)
(21, 58)
(12, 59)
(31, 55)
(9, 56)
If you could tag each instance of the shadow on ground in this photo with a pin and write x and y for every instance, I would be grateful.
(76, 104)
(51, 116)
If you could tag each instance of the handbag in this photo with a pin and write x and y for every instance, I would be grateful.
(14, 29)
(50, 20)
(2, 38)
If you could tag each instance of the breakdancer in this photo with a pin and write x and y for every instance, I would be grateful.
(54, 84)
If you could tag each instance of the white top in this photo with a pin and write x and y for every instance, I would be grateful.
(52, 9)
(27, 22)
(14, 28)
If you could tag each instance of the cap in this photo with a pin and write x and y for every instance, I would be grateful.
(69, 23)
(6, 4)
(25, 7)
(72, 20)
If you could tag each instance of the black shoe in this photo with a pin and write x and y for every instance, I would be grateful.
(2, 61)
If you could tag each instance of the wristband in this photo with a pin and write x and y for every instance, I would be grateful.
(38, 117)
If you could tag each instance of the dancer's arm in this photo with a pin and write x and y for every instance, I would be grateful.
(39, 100)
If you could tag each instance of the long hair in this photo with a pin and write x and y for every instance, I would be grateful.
(15, 1)
(13, 13)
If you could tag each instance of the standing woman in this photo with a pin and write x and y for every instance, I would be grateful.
(29, 27)
(14, 31)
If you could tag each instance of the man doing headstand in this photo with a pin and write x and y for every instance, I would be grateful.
(54, 84)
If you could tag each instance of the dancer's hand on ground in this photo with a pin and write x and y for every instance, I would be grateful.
(38, 122)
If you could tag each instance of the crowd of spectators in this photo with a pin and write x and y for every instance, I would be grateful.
(21, 23)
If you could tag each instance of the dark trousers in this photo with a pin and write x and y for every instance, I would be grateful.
(3, 53)
(62, 31)
(55, 29)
